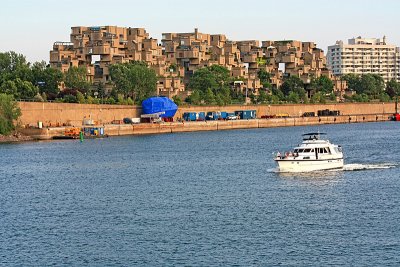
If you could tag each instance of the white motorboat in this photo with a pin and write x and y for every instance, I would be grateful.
(313, 154)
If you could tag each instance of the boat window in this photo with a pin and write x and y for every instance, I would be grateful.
(307, 150)
(296, 151)
(312, 150)
(325, 150)
(328, 150)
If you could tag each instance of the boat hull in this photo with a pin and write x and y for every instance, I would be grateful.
(291, 165)
(396, 117)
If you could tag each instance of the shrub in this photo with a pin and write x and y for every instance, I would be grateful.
(9, 112)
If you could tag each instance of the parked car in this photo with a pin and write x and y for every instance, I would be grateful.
(127, 120)
(232, 117)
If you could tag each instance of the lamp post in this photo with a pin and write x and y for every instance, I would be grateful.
(171, 70)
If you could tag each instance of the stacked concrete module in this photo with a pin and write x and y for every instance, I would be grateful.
(180, 54)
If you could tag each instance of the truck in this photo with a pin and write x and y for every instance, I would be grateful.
(213, 115)
(190, 116)
(246, 114)
(201, 116)
(223, 116)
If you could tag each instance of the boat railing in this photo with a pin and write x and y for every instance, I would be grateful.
(286, 155)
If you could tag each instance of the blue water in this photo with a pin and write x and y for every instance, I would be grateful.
(200, 199)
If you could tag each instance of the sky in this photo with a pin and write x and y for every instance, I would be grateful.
(30, 27)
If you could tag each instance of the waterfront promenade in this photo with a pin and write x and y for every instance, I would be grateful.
(176, 127)
(57, 117)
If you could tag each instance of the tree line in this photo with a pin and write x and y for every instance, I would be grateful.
(369, 87)
(132, 82)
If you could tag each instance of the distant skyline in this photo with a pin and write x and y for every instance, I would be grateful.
(31, 27)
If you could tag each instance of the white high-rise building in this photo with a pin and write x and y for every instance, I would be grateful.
(365, 55)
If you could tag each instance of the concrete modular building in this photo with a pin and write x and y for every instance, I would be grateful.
(365, 55)
(180, 54)
(97, 47)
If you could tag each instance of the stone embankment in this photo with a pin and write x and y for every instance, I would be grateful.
(69, 114)
(176, 127)
(16, 137)
(55, 118)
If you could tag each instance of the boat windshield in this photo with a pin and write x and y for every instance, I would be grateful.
(312, 136)
(307, 150)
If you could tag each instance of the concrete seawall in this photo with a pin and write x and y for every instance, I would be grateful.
(176, 127)
(59, 114)
(62, 114)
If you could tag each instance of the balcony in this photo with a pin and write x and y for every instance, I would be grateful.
(288, 59)
(252, 58)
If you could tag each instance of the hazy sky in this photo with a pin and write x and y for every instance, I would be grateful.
(30, 27)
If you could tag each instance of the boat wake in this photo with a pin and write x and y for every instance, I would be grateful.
(362, 167)
(346, 167)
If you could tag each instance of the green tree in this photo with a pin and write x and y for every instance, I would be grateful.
(322, 84)
(360, 98)
(9, 88)
(177, 100)
(219, 99)
(173, 67)
(293, 97)
(9, 112)
(332, 96)
(16, 76)
(194, 98)
(46, 78)
(294, 84)
(38, 98)
(129, 101)
(263, 75)
(13, 66)
(384, 97)
(372, 85)
(134, 79)
(274, 99)
(80, 98)
(278, 94)
(209, 96)
(225, 95)
(262, 97)
(393, 88)
(90, 100)
(318, 98)
(75, 78)
(265, 78)
(214, 77)
(70, 99)
(353, 81)
(19, 89)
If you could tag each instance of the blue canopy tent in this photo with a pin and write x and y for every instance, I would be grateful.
(159, 104)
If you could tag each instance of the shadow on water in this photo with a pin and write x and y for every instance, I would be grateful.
(319, 178)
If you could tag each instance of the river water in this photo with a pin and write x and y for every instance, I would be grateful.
(201, 199)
